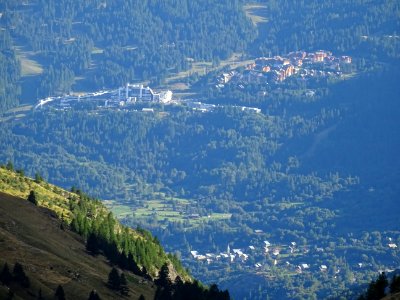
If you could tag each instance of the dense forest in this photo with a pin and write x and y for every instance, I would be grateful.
(109, 44)
(9, 73)
(95, 44)
(365, 29)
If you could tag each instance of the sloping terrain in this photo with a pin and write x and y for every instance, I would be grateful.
(53, 256)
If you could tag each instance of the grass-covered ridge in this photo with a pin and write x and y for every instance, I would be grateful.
(89, 217)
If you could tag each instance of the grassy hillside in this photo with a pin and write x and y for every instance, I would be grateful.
(52, 256)
(40, 239)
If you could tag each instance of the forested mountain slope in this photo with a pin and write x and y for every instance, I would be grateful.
(366, 29)
(68, 239)
(107, 44)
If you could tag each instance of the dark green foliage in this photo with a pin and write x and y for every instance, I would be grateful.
(40, 296)
(94, 295)
(114, 280)
(128, 51)
(124, 289)
(38, 178)
(20, 276)
(164, 290)
(92, 244)
(118, 282)
(163, 277)
(121, 249)
(5, 275)
(376, 289)
(395, 284)
(178, 290)
(32, 198)
(350, 27)
(10, 294)
(188, 290)
(10, 166)
(9, 73)
(59, 294)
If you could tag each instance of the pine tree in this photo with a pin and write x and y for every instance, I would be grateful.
(32, 198)
(124, 285)
(395, 285)
(60, 295)
(38, 178)
(20, 276)
(40, 296)
(93, 295)
(164, 290)
(132, 265)
(10, 166)
(5, 275)
(92, 244)
(163, 277)
(376, 289)
(114, 281)
(10, 295)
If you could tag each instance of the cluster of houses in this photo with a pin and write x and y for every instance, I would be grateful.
(231, 256)
(239, 255)
(278, 68)
(123, 96)
(274, 253)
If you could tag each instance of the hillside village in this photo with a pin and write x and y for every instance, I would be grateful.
(127, 97)
(291, 257)
(121, 97)
(277, 69)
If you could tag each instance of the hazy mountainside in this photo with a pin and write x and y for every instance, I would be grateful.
(366, 142)
(59, 245)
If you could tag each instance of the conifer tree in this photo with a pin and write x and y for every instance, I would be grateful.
(5, 275)
(132, 265)
(124, 285)
(10, 295)
(40, 296)
(60, 295)
(395, 285)
(32, 197)
(163, 277)
(114, 281)
(38, 178)
(10, 166)
(20, 276)
(92, 244)
(93, 295)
